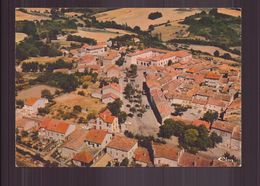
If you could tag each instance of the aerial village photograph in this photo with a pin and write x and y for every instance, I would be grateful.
(128, 87)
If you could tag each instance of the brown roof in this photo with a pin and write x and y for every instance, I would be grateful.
(166, 151)
(30, 101)
(106, 116)
(142, 155)
(75, 139)
(212, 75)
(223, 126)
(96, 136)
(199, 122)
(190, 160)
(122, 143)
(84, 156)
(58, 126)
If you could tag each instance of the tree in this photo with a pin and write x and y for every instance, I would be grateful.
(77, 108)
(169, 62)
(43, 111)
(227, 56)
(210, 116)
(20, 103)
(124, 162)
(137, 29)
(151, 28)
(154, 15)
(191, 136)
(129, 90)
(91, 115)
(120, 61)
(122, 117)
(215, 138)
(115, 107)
(46, 94)
(133, 70)
(216, 53)
(82, 93)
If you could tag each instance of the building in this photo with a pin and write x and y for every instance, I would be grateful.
(106, 121)
(165, 155)
(142, 157)
(74, 143)
(31, 105)
(191, 160)
(98, 49)
(156, 57)
(235, 142)
(122, 147)
(55, 129)
(86, 61)
(225, 130)
(97, 138)
(88, 157)
(26, 124)
(111, 57)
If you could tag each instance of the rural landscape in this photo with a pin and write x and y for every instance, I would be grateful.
(128, 87)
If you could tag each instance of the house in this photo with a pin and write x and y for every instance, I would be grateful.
(106, 121)
(142, 157)
(199, 122)
(113, 88)
(88, 157)
(191, 160)
(97, 49)
(182, 55)
(85, 61)
(122, 147)
(57, 130)
(97, 138)
(225, 130)
(152, 57)
(74, 143)
(216, 105)
(211, 79)
(113, 71)
(165, 155)
(26, 124)
(235, 142)
(31, 105)
(111, 57)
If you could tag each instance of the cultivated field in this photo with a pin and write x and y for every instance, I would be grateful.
(73, 14)
(34, 91)
(211, 50)
(231, 12)
(170, 32)
(86, 102)
(101, 35)
(46, 59)
(19, 37)
(21, 16)
(41, 10)
(139, 16)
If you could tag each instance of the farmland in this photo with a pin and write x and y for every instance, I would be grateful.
(19, 37)
(34, 91)
(139, 17)
(229, 11)
(21, 16)
(46, 59)
(101, 35)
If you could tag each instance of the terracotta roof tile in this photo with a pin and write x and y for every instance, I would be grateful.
(166, 151)
(142, 155)
(106, 116)
(122, 143)
(96, 136)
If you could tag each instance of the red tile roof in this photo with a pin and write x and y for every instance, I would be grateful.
(106, 116)
(58, 126)
(96, 136)
(166, 151)
(212, 75)
(84, 157)
(190, 160)
(30, 101)
(223, 126)
(142, 155)
(122, 143)
(199, 122)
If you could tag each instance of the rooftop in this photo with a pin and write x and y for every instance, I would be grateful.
(122, 143)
